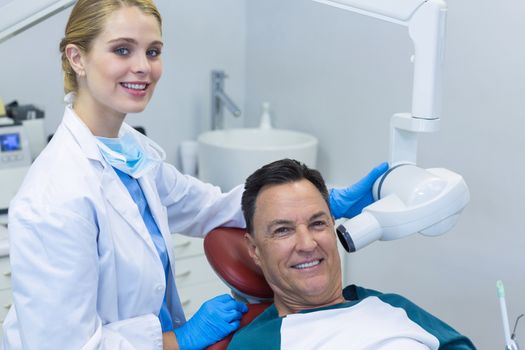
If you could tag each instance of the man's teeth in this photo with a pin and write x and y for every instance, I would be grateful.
(134, 86)
(307, 265)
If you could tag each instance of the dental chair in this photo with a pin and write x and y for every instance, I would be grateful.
(228, 255)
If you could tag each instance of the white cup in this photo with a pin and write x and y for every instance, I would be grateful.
(188, 157)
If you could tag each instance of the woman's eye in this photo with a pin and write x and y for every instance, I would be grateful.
(153, 52)
(121, 51)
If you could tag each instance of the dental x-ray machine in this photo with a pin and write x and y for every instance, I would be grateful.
(409, 199)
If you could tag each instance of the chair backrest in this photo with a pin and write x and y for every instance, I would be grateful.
(228, 255)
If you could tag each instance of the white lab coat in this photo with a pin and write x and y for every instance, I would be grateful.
(85, 272)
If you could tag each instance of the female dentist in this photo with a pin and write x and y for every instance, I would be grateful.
(90, 227)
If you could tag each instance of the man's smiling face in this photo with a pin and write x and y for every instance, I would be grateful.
(295, 245)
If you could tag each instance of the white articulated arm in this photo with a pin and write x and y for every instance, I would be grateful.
(410, 199)
(399, 11)
(425, 20)
(17, 16)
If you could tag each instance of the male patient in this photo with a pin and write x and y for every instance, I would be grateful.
(291, 236)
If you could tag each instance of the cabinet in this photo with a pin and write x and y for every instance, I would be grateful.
(5, 287)
(196, 280)
(5, 280)
(5, 272)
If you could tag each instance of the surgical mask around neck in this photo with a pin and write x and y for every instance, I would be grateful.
(126, 154)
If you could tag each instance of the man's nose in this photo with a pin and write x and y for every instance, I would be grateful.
(305, 239)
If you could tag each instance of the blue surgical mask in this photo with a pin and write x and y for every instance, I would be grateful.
(127, 154)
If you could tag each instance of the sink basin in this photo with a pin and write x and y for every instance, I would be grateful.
(227, 157)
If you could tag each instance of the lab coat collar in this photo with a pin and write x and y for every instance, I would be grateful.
(88, 143)
(113, 189)
(81, 134)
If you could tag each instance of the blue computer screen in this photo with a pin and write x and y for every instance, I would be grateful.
(10, 142)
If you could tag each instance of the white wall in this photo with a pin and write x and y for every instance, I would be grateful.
(340, 76)
(199, 36)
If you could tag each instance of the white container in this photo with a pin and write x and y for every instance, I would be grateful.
(188, 157)
(266, 119)
(227, 157)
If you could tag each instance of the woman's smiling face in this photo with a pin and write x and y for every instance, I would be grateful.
(122, 66)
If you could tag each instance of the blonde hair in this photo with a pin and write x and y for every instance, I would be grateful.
(87, 21)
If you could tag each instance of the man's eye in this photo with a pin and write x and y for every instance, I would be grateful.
(153, 52)
(121, 51)
(319, 225)
(282, 231)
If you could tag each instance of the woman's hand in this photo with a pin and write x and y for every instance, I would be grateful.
(215, 319)
(350, 201)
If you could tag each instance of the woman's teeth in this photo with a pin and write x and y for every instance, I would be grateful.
(134, 86)
(307, 265)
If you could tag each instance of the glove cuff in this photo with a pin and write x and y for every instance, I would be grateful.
(334, 210)
(183, 338)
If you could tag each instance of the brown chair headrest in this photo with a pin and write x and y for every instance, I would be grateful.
(228, 255)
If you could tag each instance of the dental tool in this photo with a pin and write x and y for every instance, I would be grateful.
(410, 199)
(510, 344)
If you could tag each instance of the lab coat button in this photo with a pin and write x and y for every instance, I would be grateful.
(159, 288)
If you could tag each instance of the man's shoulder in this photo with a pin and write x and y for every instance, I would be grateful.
(448, 337)
(357, 294)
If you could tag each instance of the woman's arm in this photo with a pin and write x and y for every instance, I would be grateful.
(194, 207)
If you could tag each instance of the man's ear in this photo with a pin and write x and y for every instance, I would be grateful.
(252, 248)
(75, 56)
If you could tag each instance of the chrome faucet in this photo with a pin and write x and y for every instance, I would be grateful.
(219, 100)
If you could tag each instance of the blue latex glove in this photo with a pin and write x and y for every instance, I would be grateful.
(350, 201)
(215, 319)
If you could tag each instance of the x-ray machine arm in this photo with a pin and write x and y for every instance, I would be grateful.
(410, 199)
